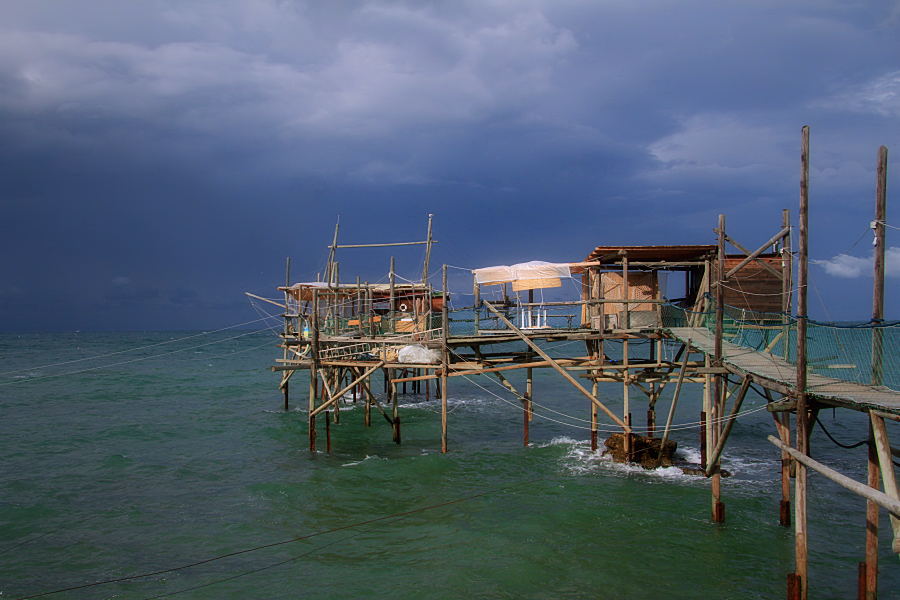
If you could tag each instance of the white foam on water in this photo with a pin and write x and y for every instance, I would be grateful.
(359, 462)
(559, 441)
(581, 460)
(688, 454)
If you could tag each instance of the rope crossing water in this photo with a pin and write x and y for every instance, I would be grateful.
(395, 516)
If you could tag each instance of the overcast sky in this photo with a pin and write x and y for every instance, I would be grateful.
(159, 158)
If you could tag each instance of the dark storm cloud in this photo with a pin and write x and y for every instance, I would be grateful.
(189, 147)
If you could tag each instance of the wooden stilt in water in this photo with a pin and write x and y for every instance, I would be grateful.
(528, 405)
(328, 431)
(718, 400)
(445, 360)
(597, 352)
(703, 439)
(594, 415)
(783, 424)
(872, 511)
(313, 370)
(367, 410)
(396, 413)
(286, 404)
(793, 585)
(874, 471)
(861, 582)
(800, 531)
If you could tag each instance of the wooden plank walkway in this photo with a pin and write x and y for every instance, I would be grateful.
(766, 368)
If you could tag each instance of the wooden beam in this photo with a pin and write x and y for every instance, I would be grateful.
(888, 478)
(561, 371)
(879, 498)
(335, 397)
(674, 402)
(751, 256)
(735, 408)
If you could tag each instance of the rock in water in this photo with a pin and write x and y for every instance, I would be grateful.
(645, 450)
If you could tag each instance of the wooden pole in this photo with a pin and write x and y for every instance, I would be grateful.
(427, 252)
(287, 319)
(888, 477)
(313, 370)
(735, 408)
(626, 384)
(892, 505)
(328, 431)
(445, 358)
(396, 414)
(477, 289)
(878, 292)
(393, 327)
(802, 444)
(662, 445)
(783, 422)
(718, 401)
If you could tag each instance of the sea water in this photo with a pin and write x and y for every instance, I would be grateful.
(126, 454)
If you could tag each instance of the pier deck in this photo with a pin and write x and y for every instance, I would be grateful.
(776, 373)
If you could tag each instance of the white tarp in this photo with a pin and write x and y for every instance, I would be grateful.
(532, 275)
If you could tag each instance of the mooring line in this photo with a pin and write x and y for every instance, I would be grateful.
(125, 362)
(292, 540)
(133, 349)
(272, 566)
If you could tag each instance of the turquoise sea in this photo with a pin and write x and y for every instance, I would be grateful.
(178, 452)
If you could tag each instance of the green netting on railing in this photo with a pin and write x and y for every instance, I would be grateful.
(842, 351)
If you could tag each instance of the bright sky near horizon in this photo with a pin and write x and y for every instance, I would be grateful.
(159, 158)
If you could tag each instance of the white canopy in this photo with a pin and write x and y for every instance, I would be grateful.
(525, 276)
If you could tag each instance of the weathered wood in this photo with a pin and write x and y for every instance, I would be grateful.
(878, 290)
(278, 304)
(445, 359)
(755, 255)
(718, 400)
(428, 243)
(559, 369)
(886, 466)
(880, 498)
(337, 396)
(381, 245)
(800, 527)
(671, 416)
(872, 519)
(720, 446)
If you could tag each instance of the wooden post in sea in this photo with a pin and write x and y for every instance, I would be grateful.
(396, 413)
(287, 319)
(800, 531)
(626, 385)
(874, 472)
(313, 369)
(784, 420)
(718, 400)
(328, 431)
(445, 359)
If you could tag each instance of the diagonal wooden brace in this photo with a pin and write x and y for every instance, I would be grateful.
(712, 464)
(888, 478)
(755, 255)
(335, 397)
(561, 371)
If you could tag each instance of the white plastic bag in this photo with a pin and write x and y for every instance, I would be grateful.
(418, 354)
